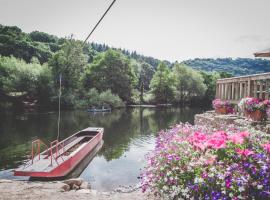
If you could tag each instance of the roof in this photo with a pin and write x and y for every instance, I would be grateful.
(264, 53)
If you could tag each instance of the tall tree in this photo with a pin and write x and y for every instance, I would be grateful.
(111, 70)
(70, 62)
(189, 83)
(162, 84)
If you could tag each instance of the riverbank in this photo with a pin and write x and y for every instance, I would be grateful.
(60, 190)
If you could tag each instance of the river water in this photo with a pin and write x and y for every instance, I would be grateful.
(129, 135)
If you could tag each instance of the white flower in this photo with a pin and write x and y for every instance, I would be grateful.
(165, 188)
(259, 187)
(241, 189)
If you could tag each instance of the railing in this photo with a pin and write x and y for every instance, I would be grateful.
(236, 88)
(36, 149)
(36, 144)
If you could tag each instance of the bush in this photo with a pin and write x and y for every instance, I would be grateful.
(109, 99)
(195, 162)
(94, 99)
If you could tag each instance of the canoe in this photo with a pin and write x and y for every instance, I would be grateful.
(62, 157)
(99, 110)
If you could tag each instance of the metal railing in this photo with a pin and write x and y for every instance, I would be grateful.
(36, 145)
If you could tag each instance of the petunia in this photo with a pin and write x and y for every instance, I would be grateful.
(236, 139)
(244, 152)
(266, 147)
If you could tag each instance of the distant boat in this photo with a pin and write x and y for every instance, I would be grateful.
(62, 157)
(99, 110)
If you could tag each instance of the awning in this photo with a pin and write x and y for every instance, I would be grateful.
(264, 53)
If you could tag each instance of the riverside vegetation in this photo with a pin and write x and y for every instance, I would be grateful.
(92, 75)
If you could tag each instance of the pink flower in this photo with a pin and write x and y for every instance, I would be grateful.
(266, 147)
(220, 134)
(244, 134)
(216, 143)
(237, 139)
(244, 152)
(199, 137)
(211, 160)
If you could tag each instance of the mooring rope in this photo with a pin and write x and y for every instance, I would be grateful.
(59, 107)
(98, 22)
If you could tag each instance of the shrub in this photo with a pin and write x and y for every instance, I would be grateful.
(195, 162)
(93, 98)
(112, 100)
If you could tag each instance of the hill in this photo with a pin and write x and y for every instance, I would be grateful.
(13, 41)
(237, 67)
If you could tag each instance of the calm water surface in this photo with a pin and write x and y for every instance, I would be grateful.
(129, 135)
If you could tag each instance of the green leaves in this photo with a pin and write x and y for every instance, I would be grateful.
(162, 84)
(111, 71)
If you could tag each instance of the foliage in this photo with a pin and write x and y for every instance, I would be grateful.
(93, 98)
(162, 84)
(14, 42)
(189, 83)
(196, 162)
(111, 70)
(43, 37)
(70, 62)
(19, 77)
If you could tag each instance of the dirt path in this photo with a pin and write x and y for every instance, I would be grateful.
(22, 190)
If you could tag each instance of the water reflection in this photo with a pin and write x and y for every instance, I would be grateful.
(129, 135)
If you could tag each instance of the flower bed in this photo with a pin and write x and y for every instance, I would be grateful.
(255, 108)
(195, 162)
(222, 107)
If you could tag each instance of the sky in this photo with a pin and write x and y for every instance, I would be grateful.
(171, 30)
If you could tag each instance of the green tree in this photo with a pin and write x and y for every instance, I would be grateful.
(18, 77)
(189, 83)
(70, 62)
(111, 70)
(162, 84)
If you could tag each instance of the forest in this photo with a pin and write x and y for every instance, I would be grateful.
(31, 65)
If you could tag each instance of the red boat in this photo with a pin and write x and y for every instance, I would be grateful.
(62, 157)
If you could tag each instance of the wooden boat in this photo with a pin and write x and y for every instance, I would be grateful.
(99, 110)
(62, 157)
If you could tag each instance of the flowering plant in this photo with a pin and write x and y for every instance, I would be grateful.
(217, 103)
(194, 162)
(251, 104)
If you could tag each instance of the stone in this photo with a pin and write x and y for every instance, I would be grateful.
(85, 185)
(65, 188)
(94, 192)
(84, 191)
(74, 181)
(75, 187)
(5, 181)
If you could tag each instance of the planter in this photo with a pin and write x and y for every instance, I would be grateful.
(255, 116)
(221, 110)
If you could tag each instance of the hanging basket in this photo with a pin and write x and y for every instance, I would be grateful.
(255, 115)
(221, 110)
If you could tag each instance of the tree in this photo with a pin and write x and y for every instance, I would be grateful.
(189, 83)
(111, 70)
(19, 77)
(162, 84)
(69, 62)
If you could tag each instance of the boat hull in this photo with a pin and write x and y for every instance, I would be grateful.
(68, 165)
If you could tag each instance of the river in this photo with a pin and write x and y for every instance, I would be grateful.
(129, 135)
